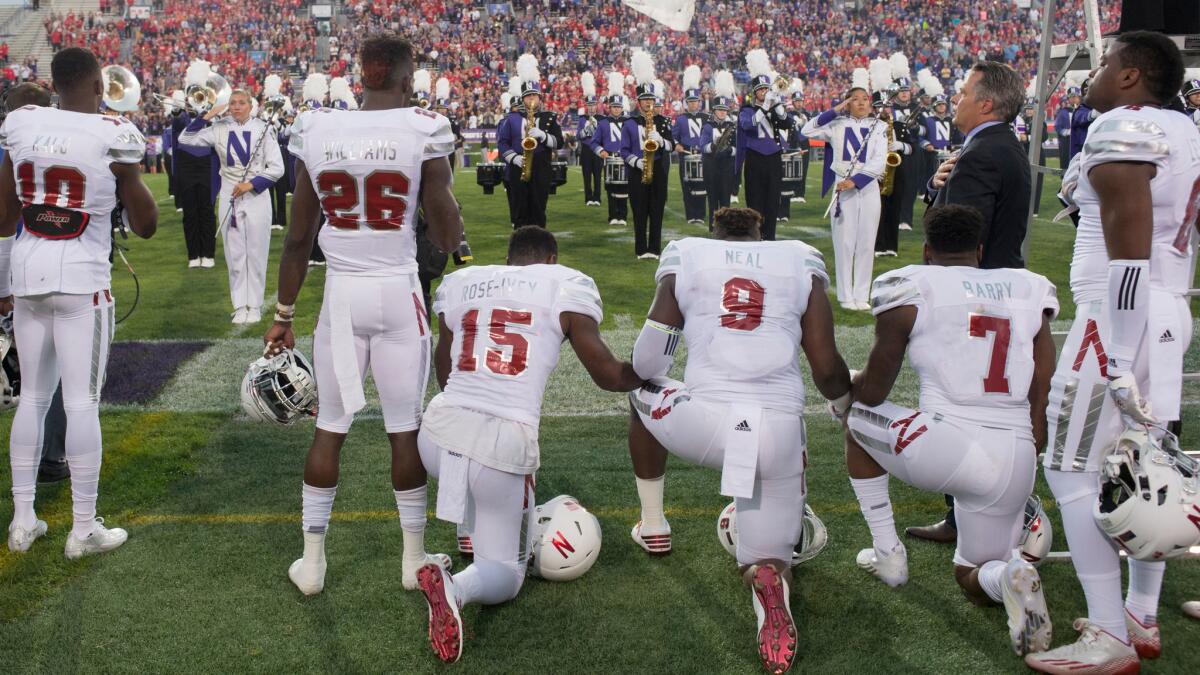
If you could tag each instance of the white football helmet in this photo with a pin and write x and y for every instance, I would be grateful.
(566, 540)
(1038, 534)
(10, 373)
(280, 388)
(813, 539)
(1149, 496)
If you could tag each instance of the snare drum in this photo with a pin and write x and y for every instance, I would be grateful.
(693, 169)
(614, 172)
(793, 174)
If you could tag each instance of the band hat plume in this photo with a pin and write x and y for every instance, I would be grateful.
(272, 85)
(881, 75)
(315, 88)
(197, 73)
(587, 84)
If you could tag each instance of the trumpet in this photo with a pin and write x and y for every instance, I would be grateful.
(122, 91)
(649, 147)
(781, 84)
(529, 143)
(202, 97)
(272, 108)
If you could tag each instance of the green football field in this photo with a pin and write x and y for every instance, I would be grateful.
(212, 504)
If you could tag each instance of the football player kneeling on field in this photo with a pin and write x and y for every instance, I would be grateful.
(981, 416)
(745, 307)
(500, 332)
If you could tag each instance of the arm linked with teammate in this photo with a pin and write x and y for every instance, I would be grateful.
(829, 370)
(609, 373)
(892, 329)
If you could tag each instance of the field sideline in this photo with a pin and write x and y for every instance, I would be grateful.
(211, 502)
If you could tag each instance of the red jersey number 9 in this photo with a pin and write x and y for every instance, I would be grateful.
(383, 197)
(742, 299)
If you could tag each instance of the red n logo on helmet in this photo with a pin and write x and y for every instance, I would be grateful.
(1195, 517)
(561, 544)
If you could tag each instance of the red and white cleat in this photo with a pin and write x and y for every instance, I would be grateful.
(1146, 639)
(776, 630)
(445, 622)
(1096, 652)
(655, 542)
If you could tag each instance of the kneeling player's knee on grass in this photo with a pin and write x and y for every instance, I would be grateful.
(968, 580)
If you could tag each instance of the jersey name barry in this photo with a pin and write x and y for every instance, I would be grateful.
(1001, 290)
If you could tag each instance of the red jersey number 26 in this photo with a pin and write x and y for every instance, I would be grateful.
(383, 195)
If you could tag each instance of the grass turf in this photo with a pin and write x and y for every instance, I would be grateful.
(211, 501)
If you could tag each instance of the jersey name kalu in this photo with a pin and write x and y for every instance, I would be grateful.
(1170, 142)
(365, 166)
(507, 335)
(972, 342)
(742, 303)
(62, 159)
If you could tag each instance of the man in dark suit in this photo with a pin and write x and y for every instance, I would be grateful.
(992, 174)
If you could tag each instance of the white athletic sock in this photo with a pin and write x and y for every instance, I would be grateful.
(487, 582)
(316, 507)
(314, 547)
(876, 507)
(1103, 595)
(650, 494)
(24, 463)
(990, 575)
(83, 443)
(411, 505)
(1145, 582)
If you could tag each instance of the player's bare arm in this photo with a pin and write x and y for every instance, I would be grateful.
(1126, 207)
(609, 373)
(10, 204)
(141, 211)
(892, 328)
(828, 367)
(442, 364)
(293, 264)
(665, 308)
(1039, 389)
(438, 204)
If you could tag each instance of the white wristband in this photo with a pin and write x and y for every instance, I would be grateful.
(6, 245)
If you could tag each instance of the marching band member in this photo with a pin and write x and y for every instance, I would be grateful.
(854, 163)
(642, 130)
(888, 93)
(904, 113)
(421, 87)
(1062, 126)
(688, 130)
(758, 145)
(793, 141)
(530, 187)
(799, 115)
(606, 142)
(282, 187)
(1191, 100)
(589, 160)
(314, 92)
(1023, 127)
(195, 176)
(718, 145)
(248, 151)
(511, 104)
(441, 106)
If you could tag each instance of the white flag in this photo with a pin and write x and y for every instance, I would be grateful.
(675, 14)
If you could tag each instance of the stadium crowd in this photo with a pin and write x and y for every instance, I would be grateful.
(475, 48)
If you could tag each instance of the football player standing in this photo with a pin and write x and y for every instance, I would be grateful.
(980, 419)
(63, 169)
(1132, 266)
(367, 170)
(500, 332)
(745, 307)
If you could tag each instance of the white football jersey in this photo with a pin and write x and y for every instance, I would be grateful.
(972, 343)
(507, 334)
(1170, 142)
(61, 159)
(742, 303)
(366, 168)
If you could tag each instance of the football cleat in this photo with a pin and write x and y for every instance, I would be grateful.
(657, 542)
(20, 539)
(773, 608)
(891, 568)
(101, 540)
(308, 577)
(408, 571)
(445, 622)
(1147, 640)
(1028, 619)
(1095, 652)
(1192, 608)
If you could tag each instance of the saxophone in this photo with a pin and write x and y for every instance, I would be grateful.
(649, 147)
(528, 144)
(725, 139)
(893, 161)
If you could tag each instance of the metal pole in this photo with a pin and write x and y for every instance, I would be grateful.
(1039, 115)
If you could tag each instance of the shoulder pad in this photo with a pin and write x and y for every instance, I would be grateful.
(894, 289)
(1123, 135)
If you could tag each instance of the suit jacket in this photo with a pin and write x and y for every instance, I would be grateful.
(992, 174)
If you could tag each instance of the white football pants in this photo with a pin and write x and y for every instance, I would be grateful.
(990, 471)
(67, 336)
(770, 523)
(854, 242)
(499, 505)
(246, 231)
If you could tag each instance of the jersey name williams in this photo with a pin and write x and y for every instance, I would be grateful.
(505, 287)
(373, 149)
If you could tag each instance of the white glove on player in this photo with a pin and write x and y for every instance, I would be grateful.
(537, 135)
(519, 161)
(1135, 410)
